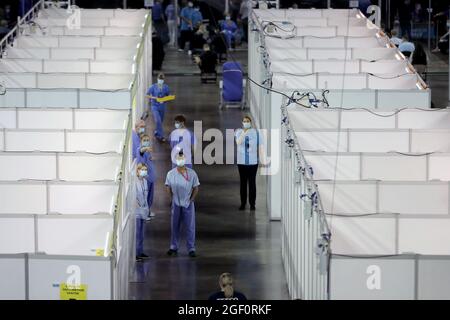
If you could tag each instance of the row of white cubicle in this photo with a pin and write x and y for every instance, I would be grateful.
(66, 173)
(363, 192)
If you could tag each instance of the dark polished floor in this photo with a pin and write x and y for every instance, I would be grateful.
(243, 243)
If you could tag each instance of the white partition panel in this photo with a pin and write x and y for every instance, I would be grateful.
(73, 198)
(346, 81)
(323, 141)
(101, 119)
(324, 166)
(384, 67)
(338, 67)
(109, 82)
(371, 236)
(61, 80)
(74, 235)
(52, 98)
(114, 54)
(34, 140)
(317, 119)
(379, 141)
(72, 53)
(414, 198)
(93, 31)
(79, 167)
(21, 53)
(45, 119)
(19, 80)
(294, 82)
(46, 274)
(119, 42)
(111, 66)
(325, 54)
(8, 118)
(13, 98)
(309, 22)
(430, 141)
(17, 234)
(97, 142)
(433, 278)
(20, 65)
(98, 99)
(317, 31)
(422, 120)
(79, 42)
(425, 236)
(439, 167)
(66, 66)
(366, 120)
(348, 198)
(363, 41)
(12, 277)
(401, 98)
(12, 197)
(394, 168)
(331, 43)
(2, 138)
(287, 54)
(37, 42)
(374, 53)
(408, 81)
(294, 67)
(127, 31)
(125, 23)
(16, 166)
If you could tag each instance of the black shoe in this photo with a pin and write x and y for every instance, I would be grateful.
(192, 254)
(242, 207)
(252, 208)
(143, 256)
(172, 252)
(139, 259)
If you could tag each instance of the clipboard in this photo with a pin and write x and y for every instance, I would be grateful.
(165, 99)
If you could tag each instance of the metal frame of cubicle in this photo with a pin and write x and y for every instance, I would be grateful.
(113, 270)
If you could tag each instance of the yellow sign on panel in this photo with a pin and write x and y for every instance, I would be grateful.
(99, 252)
(165, 99)
(69, 292)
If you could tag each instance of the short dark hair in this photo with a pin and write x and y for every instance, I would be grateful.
(180, 118)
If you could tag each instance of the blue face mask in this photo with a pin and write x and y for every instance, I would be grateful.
(143, 173)
(246, 125)
(160, 82)
(146, 143)
(177, 125)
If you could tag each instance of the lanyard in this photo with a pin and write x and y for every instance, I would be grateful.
(185, 177)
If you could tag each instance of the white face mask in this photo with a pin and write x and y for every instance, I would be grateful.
(143, 173)
(177, 125)
(246, 125)
(181, 162)
(190, 4)
(141, 130)
(227, 18)
(146, 143)
(160, 82)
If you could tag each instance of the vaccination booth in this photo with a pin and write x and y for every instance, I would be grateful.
(72, 94)
(361, 181)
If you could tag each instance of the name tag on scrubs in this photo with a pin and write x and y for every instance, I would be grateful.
(165, 99)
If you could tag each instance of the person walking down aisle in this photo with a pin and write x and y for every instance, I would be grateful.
(141, 209)
(154, 93)
(182, 185)
(143, 155)
(187, 26)
(229, 29)
(171, 23)
(248, 142)
(227, 291)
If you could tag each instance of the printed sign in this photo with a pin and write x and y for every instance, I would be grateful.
(69, 292)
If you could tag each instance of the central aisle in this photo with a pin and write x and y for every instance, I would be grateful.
(246, 244)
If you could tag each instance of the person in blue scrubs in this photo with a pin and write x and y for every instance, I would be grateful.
(144, 155)
(186, 27)
(139, 129)
(158, 90)
(229, 29)
(182, 185)
(141, 209)
(197, 18)
(182, 140)
(249, 142)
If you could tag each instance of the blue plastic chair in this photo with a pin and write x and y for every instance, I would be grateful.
(232, 87)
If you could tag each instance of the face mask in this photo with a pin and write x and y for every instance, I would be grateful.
(181, 162)
(143, 173)
(190, 4)
(141, 130)
(146, 143)
(177, 125)
(246, 125)
(160, 82)
(227, 18)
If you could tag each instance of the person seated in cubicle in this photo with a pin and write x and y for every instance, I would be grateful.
(144, 155)
(395, 39)
(139, 129)
(407, 47)
(141, 209)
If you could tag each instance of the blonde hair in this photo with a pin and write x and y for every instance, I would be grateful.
(140, 166)
(226, 284)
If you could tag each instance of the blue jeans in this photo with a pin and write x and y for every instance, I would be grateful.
(140, 234)
(158, 117)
